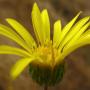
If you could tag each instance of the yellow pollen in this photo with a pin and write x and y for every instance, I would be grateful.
(47, 54)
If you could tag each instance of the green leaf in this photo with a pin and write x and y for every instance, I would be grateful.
(22, 32)
(20, 66)
(5, 49)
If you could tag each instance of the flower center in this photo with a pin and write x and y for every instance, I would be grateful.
(48, 55)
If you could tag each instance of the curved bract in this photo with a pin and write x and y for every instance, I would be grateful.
(47, 52)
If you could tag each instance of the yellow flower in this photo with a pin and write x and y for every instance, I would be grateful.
(45, 51)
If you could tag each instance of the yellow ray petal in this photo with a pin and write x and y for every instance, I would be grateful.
(46, 24)
(8, 32)
(19, 67)
(86, 33)
(57, 32)
(22, 32)
(75, 29)
(37, 23)
(74, 39)
(4, 49)
(85, 40)
(67, 28)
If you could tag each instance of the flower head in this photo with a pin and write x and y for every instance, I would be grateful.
(45, 52)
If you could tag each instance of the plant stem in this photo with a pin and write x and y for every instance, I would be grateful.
(45, 88)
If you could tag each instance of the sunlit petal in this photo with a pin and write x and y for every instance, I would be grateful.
(20, 66)
(4, 49)
(46, 24)
(22, 32)
(75, 29)
(37, 23)
(8, 32)
(81, 42)
(67, 28)
(57, 33)
(77, 36)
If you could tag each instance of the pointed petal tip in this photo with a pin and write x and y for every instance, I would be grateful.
(35, 8)
(44, 13)
(78, 14)
(35, 5)
(12, 75)
(45, 10)
(8, 19)
(58, 21)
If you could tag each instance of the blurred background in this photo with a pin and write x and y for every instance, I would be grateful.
(77, 76)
